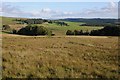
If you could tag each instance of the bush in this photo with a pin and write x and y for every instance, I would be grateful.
(5, 27)
(33, 30)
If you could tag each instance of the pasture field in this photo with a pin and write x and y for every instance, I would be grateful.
(61, 30)
(61, 57)
(56, 29)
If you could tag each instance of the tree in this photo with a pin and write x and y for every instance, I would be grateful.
(81, 32)
(33, 30)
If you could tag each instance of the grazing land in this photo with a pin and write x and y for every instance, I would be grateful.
(56, 29)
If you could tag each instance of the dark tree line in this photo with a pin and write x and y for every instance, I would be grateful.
(97, 24)
(106, 31)
(77, 32)
(61, 23)
(93, 22)
(32, 21)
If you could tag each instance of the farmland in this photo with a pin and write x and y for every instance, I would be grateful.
(56, 29)
(59, 56)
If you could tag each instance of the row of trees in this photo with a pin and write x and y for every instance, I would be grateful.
(77, 32)
(106, 31)
(93, 22)
(31, 21)
(61, 23)
(40, 21)
(40, 30)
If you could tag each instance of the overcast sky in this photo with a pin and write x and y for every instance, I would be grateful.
(56, 10)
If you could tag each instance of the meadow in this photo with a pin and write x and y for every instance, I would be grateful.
(59, 56)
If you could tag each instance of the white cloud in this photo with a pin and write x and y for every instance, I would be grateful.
(46, 10)
(110, 10)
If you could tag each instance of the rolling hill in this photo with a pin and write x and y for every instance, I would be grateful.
(57, 29)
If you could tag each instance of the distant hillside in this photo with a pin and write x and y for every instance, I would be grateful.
(93, 22)
(9, 20)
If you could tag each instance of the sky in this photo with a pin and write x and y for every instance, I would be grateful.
(58, 10)
(59, 0)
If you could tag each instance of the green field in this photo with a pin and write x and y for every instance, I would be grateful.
(56, 29)
(9, 20)
(61, 30)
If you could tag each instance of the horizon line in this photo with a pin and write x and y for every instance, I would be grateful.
(60, 18)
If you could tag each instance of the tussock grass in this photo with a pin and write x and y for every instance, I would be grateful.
(51, 57)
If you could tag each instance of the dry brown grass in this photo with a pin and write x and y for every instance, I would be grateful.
(76, 57)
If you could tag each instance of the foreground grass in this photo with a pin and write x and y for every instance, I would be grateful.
(59, 57)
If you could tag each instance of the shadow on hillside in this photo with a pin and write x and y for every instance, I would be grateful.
(6, 32)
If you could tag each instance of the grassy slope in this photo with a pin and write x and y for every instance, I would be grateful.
(58, 30)
(59, 57)
(9, 20)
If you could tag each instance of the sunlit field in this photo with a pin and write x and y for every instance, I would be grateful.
(60, 57)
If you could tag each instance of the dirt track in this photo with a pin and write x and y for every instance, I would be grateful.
(12, 35)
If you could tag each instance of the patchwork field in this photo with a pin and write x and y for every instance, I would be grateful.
(61, 57)
(56, 29)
